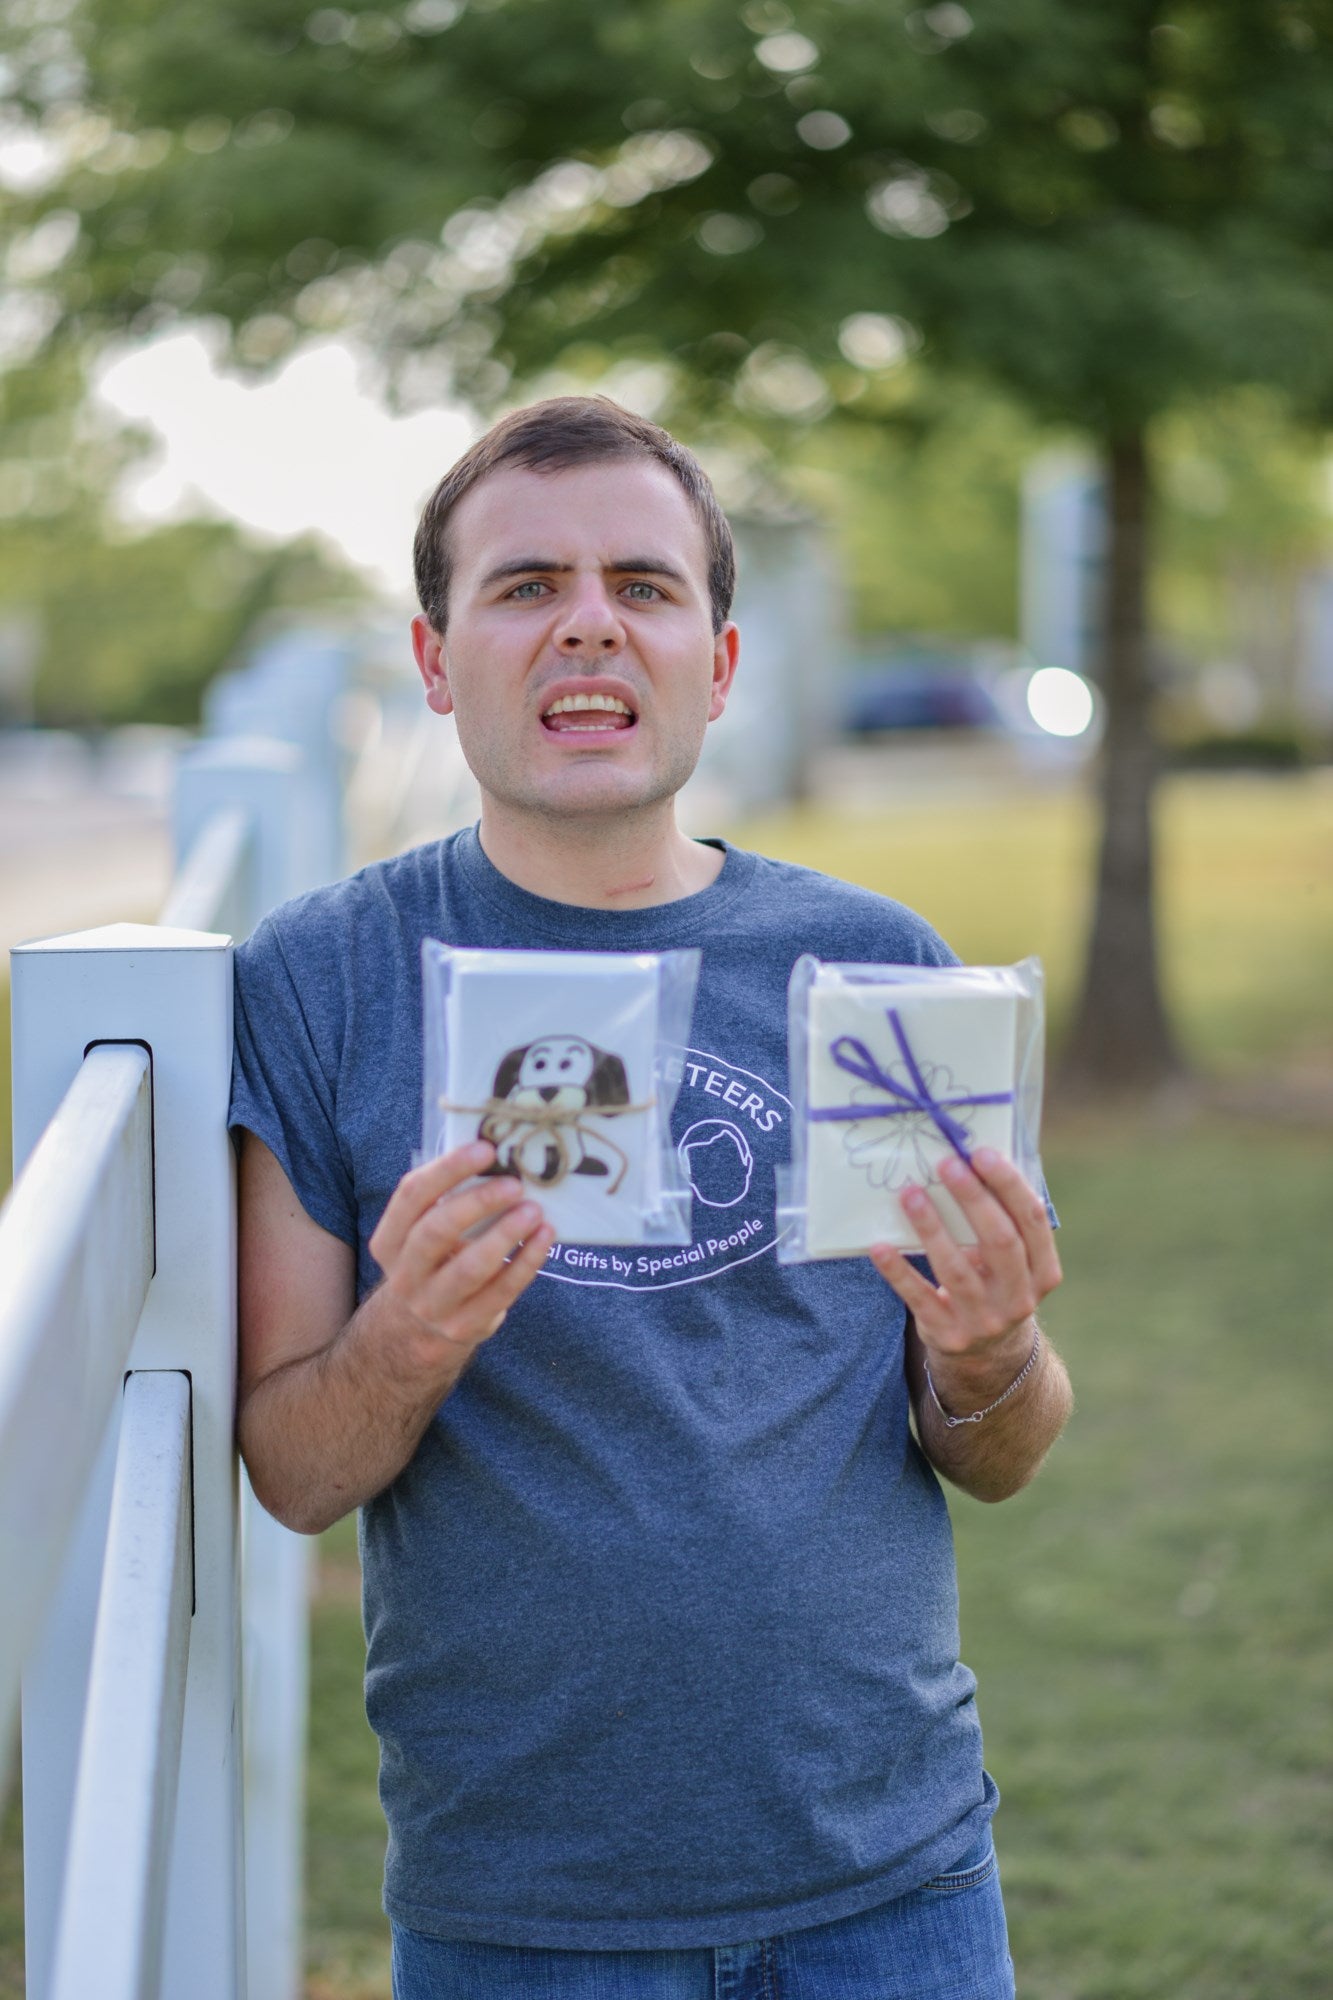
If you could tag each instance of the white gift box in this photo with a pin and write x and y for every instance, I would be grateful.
(552, 1057)
(896, 1069)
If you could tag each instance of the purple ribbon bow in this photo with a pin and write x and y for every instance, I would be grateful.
(854, 1057)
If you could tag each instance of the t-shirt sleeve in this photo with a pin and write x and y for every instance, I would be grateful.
(930, 947)
(284, 1077)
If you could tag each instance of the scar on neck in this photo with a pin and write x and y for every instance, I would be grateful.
(632, 888)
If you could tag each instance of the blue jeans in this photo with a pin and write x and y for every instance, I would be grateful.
(944, 1941)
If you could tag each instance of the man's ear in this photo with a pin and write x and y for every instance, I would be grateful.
(432, 665)
(726, 653)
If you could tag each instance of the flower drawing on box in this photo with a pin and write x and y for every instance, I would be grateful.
(897, 1144)
(911, 1109)
(541, 1099)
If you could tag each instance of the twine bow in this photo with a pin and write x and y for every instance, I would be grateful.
(505, 1123)
(856, 1059)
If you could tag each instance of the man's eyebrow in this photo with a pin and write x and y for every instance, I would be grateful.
(646, 566)
(524, 566)
(546, 566)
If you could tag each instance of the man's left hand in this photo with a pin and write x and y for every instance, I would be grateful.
(976, 1320)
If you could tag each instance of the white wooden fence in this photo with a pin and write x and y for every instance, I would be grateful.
(155, 1616)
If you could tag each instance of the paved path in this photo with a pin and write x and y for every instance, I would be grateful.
(932, 767)
(77, 857)
(75, 852)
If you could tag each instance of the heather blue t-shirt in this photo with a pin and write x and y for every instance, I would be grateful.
(661, 1617)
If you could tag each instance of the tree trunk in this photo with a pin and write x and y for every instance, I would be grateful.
(1121, 1039)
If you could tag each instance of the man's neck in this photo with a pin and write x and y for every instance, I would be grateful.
(625, 862)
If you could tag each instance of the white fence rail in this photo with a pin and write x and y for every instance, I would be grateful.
(149, 1604)
(110, 1933)
(213, 876)
(76, 1257)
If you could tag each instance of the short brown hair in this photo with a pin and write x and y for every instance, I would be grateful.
(554, 436)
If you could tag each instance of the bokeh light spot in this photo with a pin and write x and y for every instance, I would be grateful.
(1060, 702)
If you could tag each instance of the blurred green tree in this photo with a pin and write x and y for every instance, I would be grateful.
(1245, 517)
(124, 624)
(926, 516)
(1106, 211)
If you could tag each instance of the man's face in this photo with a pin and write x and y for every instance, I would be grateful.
(579, 657)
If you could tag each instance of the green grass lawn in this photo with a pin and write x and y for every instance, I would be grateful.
(1148, 1622)
(1246, 904)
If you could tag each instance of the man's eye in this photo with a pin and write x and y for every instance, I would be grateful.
(642, 593)
(528, 591)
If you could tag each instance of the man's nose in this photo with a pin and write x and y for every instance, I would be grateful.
(590, 621)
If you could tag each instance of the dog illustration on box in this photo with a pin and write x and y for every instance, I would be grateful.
(541, 1100)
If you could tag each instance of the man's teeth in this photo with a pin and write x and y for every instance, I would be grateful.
(569, 703)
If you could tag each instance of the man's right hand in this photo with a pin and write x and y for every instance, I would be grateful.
(457, 1285)
(332, 1401)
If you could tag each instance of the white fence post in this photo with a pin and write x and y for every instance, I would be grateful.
(289, 689)
(170, 989)
(288, 851)
(276, 1647)
(264, 780)
(257, 820)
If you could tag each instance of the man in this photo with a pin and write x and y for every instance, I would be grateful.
(659, 1592)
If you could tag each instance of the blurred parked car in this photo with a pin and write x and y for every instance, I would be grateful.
(919, 698)
(1046, 713)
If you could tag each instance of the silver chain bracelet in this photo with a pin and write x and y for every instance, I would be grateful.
(977, 1415)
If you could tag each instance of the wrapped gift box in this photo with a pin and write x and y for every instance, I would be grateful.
(553, 1057)
(897, 1069)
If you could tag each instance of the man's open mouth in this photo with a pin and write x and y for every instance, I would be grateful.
(587, 714)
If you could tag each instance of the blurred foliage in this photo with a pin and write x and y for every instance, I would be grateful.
(124, 625)
(948, 231)
(928, 519)
(1244, 510)
(927, 522)
(1101, 208)
(757, 215)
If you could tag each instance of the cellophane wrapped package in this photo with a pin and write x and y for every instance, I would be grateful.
(561, 1060)
(894, 1069)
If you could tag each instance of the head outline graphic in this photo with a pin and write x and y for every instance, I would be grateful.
(702, 1136)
